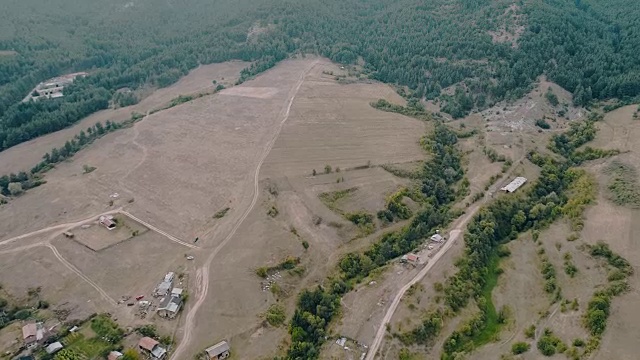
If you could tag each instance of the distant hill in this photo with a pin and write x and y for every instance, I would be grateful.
(488, 49)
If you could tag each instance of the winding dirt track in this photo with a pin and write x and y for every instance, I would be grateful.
(202, 276)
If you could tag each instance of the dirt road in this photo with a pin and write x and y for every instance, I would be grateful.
(453, 237)
(203, 273)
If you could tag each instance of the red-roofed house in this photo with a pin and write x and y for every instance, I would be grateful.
(152, 347)
(30, 333)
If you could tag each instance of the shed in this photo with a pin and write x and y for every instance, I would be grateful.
(515, 184)
(218, 351)
(410, 258)
(163, 288)
(176, 292)
(54, 347)
(107, 222)
(147, 343)
(437, 238)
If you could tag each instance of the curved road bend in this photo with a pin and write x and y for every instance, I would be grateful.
(202, 275)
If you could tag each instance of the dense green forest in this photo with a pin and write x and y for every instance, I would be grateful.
(588, 47)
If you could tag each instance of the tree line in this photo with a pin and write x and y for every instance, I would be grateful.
(316, 308)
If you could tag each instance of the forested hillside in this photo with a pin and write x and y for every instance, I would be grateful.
(489, 49)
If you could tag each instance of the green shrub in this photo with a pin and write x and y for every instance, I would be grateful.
(520, 347)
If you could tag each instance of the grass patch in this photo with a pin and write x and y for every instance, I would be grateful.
(220, 214)
(330, 198)
(623, 184)
(289, 263)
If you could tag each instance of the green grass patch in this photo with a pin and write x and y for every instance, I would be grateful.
(492, 323)
(331, 198)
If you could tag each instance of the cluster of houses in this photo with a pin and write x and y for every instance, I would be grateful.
(171, 301)
(414, 259)
(153, 350)
(35, 334)
(52, 88)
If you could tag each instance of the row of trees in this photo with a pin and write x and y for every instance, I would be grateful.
(14, 184)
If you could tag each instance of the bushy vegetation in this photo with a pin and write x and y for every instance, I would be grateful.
(395, 208)
(330, 198)
(520, 348)
(276, 315)
(289, 263)
(543, 124)
(551, 97)
(107, 329)
(549, 344)
(623, 186)
(413, 109)
(595, 318)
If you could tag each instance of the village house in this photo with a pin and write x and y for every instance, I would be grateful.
(437, 238)
(32, 333)
(410, 259)
(170, 306)
(151, 348)
(218, 351)
(107, 221)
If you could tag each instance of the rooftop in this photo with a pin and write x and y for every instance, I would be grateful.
(147, 343)
(437, 237)
(514, 185)
(114, 355)
(54, 347)
(217, 349)
(29, 330)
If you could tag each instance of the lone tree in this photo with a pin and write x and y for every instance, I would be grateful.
(15, 188)
(327, 169)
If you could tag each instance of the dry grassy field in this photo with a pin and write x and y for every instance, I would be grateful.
(236, 170)
(26, 155)
(176, 169)
(329, 124)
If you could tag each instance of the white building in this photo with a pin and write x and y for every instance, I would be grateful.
(514, 185)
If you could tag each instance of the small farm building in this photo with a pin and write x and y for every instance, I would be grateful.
(218, 351)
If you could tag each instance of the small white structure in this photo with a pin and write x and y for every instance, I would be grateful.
(218, 351)
(54, 347)
(437, 238)
(515, 184)
(177, 292)
(169, 277)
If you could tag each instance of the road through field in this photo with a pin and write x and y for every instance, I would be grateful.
(203, 274)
